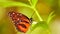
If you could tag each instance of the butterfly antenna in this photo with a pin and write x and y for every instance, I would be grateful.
(31, 17)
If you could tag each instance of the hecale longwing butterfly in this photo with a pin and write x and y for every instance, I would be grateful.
(21, 21)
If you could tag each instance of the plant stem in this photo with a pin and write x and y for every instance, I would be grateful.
(37, 14)
(32, 7)
(30, 2)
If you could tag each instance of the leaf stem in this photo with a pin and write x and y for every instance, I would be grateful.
(30, 2)
(50, 17)
(33, 7)
(38, 14)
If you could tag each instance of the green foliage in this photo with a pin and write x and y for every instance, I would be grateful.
(30, 8)
(41, 24)
(33, 2)
(39, 28)
(50, 17)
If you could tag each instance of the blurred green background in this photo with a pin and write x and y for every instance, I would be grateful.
(44, 8)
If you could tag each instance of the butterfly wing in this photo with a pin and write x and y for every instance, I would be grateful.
(21, 21)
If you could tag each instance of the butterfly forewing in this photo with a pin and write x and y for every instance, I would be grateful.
(21, 21)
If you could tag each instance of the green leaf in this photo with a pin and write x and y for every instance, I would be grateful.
(50, 17)
(33, 2)
(41, 24)
(11, 3)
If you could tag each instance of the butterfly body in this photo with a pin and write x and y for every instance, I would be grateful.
(21, 21)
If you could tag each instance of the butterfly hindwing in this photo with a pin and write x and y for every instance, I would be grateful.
(21, 21)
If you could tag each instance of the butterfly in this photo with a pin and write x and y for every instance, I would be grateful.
(21, 21)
